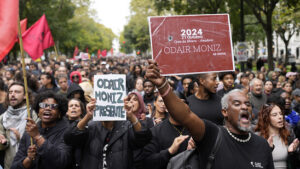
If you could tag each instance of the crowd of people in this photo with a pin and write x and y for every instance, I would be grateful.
(257, 114)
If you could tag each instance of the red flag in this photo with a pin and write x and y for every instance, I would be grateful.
(104, 53)
(9, 12)
(37, 38)
(23, 25)
(99, 54)
(75, 52)
(112, 51)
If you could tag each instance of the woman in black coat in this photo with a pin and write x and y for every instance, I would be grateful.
(108, 144)
(49, 150)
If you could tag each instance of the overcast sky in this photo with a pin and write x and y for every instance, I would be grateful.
(112, 13)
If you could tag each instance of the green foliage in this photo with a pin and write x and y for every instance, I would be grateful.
(136, 32)
(71, 24)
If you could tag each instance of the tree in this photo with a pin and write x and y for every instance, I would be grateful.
(286, 24)
(136, 32)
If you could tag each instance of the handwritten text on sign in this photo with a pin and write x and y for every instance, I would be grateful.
(110, 91)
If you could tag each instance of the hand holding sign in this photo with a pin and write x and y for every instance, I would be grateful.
(153, 73)
(90, 108)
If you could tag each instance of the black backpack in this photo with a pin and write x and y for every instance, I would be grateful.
(189, 159)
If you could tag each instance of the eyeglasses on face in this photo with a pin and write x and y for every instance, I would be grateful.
(45, 105)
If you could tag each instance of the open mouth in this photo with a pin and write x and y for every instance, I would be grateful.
(46, 115)
(73, 112)
(245, 117)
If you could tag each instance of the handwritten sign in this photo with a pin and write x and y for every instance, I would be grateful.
(109, 91)
(192, 44)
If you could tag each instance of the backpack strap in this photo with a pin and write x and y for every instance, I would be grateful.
(214, 150)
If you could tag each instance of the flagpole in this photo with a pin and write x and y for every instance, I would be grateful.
(56, 51)
(24, 71)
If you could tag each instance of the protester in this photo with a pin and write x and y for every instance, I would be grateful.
(108, 144)
(205, 102)
(75, 77)
(169, 139)
(271, 126)
(256, 96)
(239, 148)
(48, 83)
(62, 80)
(76, 110)
(185, 81)
(149, 96)
(13, 121)
(49, 150)
(75, 91)
(138, 87)
(227, 79)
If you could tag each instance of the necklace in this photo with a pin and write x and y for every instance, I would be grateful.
(180, 132)
(237, 139)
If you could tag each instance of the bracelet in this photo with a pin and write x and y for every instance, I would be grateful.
(163, 85)
(37, 139)
(166, 92)
(135, 123)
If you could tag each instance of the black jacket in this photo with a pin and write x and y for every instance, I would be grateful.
(54, 153)
(120, 148)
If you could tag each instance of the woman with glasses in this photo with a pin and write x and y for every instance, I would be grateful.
(271, 125)
(75, 77)
(48, 150)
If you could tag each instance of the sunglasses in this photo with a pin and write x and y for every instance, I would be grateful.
(45, 105)
(73, 77)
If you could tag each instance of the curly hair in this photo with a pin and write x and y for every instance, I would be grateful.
(60, 100)
(264, 123)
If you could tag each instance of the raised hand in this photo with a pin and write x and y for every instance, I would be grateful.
(293, 146)
(153, 73)
(90, 107)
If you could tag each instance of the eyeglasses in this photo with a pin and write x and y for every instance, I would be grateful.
(51, 106)
(73, 77)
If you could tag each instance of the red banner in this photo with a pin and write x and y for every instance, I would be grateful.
(9, 12)
(37, 38)
(192, 44)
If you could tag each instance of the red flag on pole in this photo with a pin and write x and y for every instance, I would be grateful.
(23, 25)
(112, 51)
(37, 38)
(75, 52)
(104, 53)
(99, 54)
(9, 13)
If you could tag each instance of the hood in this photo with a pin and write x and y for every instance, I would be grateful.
(76, 73)
(73, 88)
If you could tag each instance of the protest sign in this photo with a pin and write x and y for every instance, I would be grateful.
(241, 52)
(192, 43)
(109, 91)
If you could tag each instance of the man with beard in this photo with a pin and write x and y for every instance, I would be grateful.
(149, 96)
(239, 147)
(205, 103)
(256, 96)
(13, 122)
